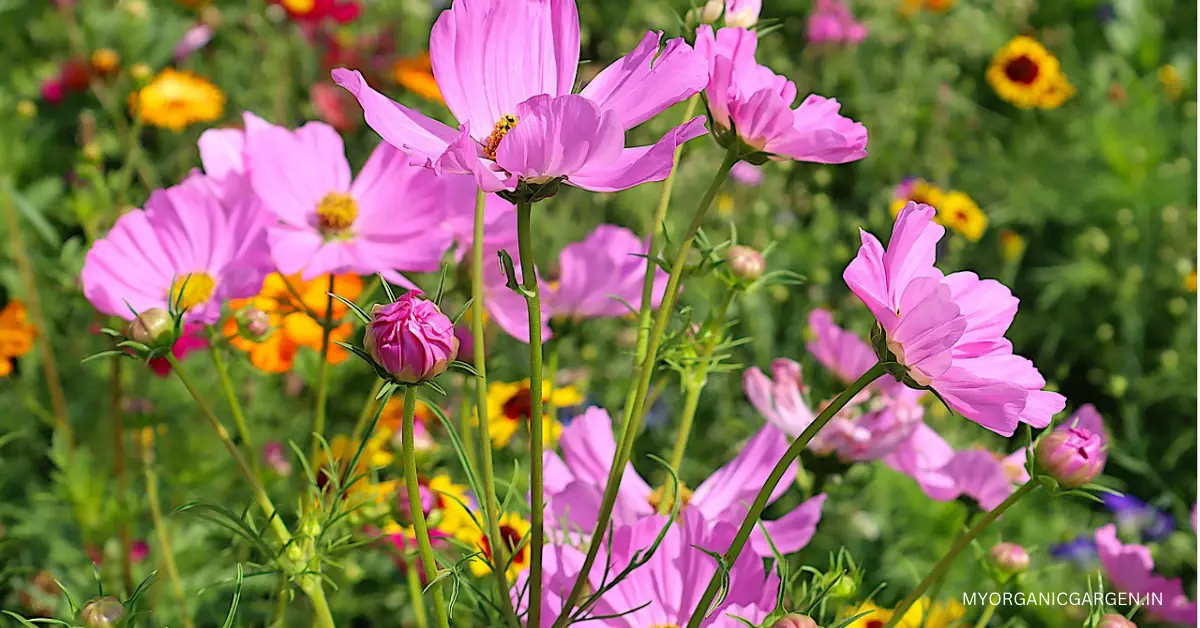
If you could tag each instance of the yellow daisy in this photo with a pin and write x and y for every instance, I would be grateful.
(948, 614)
(341, 450)
(508, 409)
(450, 498)
(174, 100)
(416, 75)
(1012, 245)
(1027, 75)
(513, 530)
(917, 191)
(958, 212)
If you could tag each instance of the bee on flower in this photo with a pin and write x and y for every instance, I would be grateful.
(176, 100)
(1027, 75)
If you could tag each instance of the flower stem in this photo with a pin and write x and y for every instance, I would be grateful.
(537, 509)
(694, 382)
(160, 526)
(986, 616)
(316, 594)
(58, 400)
(323, 375)
(764, 494)
(961, 544)
(414, 591)
(418, 513)
(643, 373)
(551, 373)
(368, 411)
(235, 405)
(117, 417)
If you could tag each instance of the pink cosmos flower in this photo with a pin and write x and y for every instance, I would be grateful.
(193, 339)
(832, 23)
(329, 223)
(600, 277)
(747, 174)
(750, 99)
(194, 39)
(945, 474)
(1130, 568)
(186, 248)
(664, 591)
(276, 458)
(947, 332)
(743, 13)
(506, 69)
(574, 488)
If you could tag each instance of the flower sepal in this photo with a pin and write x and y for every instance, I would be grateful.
(532, 191)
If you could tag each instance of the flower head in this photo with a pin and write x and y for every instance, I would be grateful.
(915, 190)
(1137, 519)
(945, 474)
(1073, 456)
(1027, 75)
(193, 40)
(947, 331)
(747, 174)
(743, 13)
(1130, 568)
(176, 100)
(513, 530)
(188, 250)
(192, 339)
(329, 223)
(1009, 557)
(415, 74)
(506, 71)
(832, 23)
(411, 339)
(16, 335)
(795, 620)
(509, 405)
(102, 612)
(312, 11)
(960, 213)
(751, 100)
(1113, 620)
(332, 106)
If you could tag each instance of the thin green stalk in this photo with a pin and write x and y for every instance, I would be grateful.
(425, 546)
(368, 411)
(961, 544)
(695, 382)
(160, 530)
(235, 405)
(643, 373)
(487, 472)
(323, 376)
(986, 616)
(551, 373)
(316, 594)
(466, 430)
(281, 603)
(764, 494)
(117, 417)
(537, 509)
(414, 591)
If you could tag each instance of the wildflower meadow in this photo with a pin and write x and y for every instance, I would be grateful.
(623, 313)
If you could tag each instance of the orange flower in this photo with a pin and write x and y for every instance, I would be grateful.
(16, 335)
(393, 415)
(416, 75)
(292, 322)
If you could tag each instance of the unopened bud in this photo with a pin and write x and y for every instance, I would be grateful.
(1010, 557)
(254, 324)
(1073, 456)
(102, 612)
(153, 328)
(712, 11)
(1113, 620)
(105, 61)
(746, 263)
(92, 152)
(795, 620)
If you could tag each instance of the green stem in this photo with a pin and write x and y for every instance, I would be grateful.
(323, 376)
(491, 505)
(160, 530)
(939, 570)
(316, 594)
(764, 494)
(643, 373)
(537, 507)
(409, 457)
(368, 411)
(551, 373)
(466, 430)
(235, 405)
(414, 591)
(281, 603)
(986, 616)
(118, 433)
(695, 382)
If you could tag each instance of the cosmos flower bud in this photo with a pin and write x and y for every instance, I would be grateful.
(254, 324)
(795, 620)
(153, 328)
(1113, 620)
(712, 11)
(1010, 558)
(102, 612)
(746, 263)
(1073, 456)
(276, 458)
(411, 339)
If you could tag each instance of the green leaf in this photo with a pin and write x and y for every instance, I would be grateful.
(237, 596)
(32, 203)
(358, 311)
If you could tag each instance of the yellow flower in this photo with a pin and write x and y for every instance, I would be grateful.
(1012, 245)
(947, 614)
(374, 456)
(1027, 75)
(910, 7)
(16, 335)
(724, 204)
(958, 212)
(917, 191)
(450, 499)
(513, 530)
(939, 615)
(1171, 81)
(105, 60)
(174, 100)
(416, 75)
(1189, 282)
(508, 409)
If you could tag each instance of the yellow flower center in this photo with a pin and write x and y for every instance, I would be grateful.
(300, 7)
(507, 123)
(191, 290)
(336, 212)
(664, 626)
(659, 495)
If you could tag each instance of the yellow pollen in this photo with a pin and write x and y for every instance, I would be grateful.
(664, 626)
(659, 495)
(191, 290)
(507, 122)
(336, 212)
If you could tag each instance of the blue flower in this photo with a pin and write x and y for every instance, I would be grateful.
(1081, 550)
(1137, 519)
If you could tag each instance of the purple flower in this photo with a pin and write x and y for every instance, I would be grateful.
(757, 103)
(194, 39)
(1130, 568)
(506, 71)
(574, 487)
(276, 458)
(664, 591)
(947, 331)
(831, 22)
(411, 339)
(1137, 519)
(747, 174)
(1081, 550)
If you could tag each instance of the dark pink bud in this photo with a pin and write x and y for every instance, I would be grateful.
(1010, 557)
(795, 620)
(746, 263)
(138, 551)
(275, 458)
(1073, 456)
(1113, 620)
(411, 339)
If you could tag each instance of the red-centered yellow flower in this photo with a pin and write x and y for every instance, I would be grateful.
(175, 100)
(416, 75)
(916, 191)
(1027, 75)
(513, 530)
(960, 214)
(374, 456)
(16, 335)
(509, 406)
